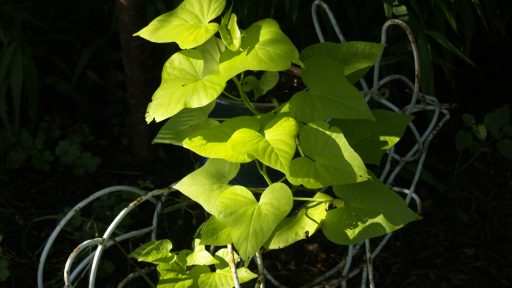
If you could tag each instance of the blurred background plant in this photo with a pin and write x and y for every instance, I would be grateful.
(4, 263)
(48, 80)
(492, 134)
(445, 32)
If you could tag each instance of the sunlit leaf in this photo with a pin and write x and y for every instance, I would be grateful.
(329, 94)
(188, 25)
(264, 47)
(230, 33)
(184, 85)
(181, 125)
(355, 57)
(274, 147)
(200, 256)
(369, 209)
(371, 139)
(224, 256)
(205, 184)
(211, 51)
(213, 142)
(172, 278)
(213, 232)
(153, 251)
(301, 225)
(328, 160)
(252, 222)
(224, 278)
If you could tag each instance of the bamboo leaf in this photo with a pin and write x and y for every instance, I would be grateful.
(448, 45)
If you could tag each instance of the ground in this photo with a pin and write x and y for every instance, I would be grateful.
(462, 240)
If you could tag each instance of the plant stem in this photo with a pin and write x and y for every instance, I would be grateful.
(263, 171)
(244, 97)
(308, 199)
(231, 96)
(261, 273)
(232, 264)
(298, 147)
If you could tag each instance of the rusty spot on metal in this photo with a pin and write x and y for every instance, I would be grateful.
(138, 200)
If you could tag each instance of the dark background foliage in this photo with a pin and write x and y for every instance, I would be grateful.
(73, 91)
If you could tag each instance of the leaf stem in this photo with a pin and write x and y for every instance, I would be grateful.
(308, 199)
(263, 171)
(261, 271)
(231, 96)
(298, 147)
(244, 97)
(232, 264)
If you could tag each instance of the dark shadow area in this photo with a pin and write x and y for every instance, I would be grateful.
(69, 129)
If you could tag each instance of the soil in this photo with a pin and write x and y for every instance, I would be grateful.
(462, 240)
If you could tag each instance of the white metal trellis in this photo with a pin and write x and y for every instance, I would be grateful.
(344, 270)
(420, 102)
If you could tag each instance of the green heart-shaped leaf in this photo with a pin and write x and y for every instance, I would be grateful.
(328, 160)
(274, 147)
(224, 278)
(210, 52)
(369, 209)
(205, 184)
(329, 94)
(153, 251)
(355, 57)
(224, 256)
(188, 24)
(171, 278)
(252, 222)
(301, 225)
(184, 85)
(200, 256)
(371, 139)
(213, 232)
(250, 83)
(268, 80)
(230, 33)
(213, 142)
(264, 47)
(181, 125)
